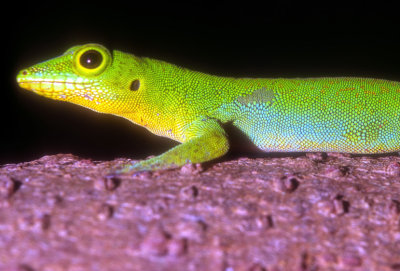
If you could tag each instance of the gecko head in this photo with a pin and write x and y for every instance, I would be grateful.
(88, 75)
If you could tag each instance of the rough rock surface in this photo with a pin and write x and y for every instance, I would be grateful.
(307, 212)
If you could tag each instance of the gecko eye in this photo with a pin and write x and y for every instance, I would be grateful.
(91, 59)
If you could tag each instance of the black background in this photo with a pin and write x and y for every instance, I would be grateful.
(270, 39)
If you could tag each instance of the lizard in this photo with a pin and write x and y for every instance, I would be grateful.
(323, 114)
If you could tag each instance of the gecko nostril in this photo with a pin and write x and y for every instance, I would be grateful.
(24, 72)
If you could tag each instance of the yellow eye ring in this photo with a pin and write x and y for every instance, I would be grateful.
(91, 60)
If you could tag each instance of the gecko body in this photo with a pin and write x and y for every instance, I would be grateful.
(337, 114)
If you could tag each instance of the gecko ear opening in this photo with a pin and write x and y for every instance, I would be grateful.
(135, 85)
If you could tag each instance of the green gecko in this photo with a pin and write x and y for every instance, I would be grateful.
(343, 114)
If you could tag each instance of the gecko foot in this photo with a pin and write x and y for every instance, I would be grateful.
(133, 169)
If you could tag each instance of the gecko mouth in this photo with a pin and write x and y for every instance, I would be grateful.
(42, 85)
(49, 86)
(57, 89)
(64, 90)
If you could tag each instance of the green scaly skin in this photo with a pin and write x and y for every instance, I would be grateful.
(351, 115)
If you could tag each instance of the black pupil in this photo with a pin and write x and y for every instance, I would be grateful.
(91, 59)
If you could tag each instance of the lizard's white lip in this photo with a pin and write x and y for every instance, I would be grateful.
(55, 85)
(27, 76)
(60, 89)
(48, 85)
(57, 90)
(27, 81)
